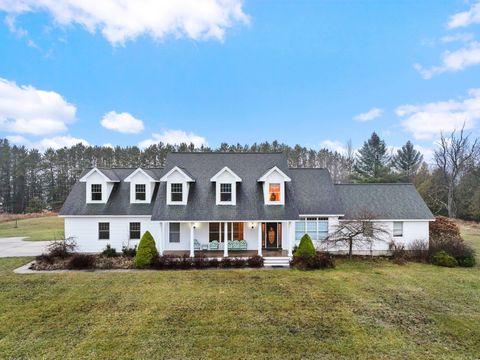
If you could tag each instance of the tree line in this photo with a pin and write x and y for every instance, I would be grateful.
(31, 181)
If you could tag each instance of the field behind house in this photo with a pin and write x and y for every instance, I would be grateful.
(33, 228)
(370, 309)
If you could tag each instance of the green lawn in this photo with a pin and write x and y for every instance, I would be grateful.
(369, 310)
(471, 233)
(40, 228)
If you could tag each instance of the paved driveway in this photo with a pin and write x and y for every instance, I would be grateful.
(15, 246)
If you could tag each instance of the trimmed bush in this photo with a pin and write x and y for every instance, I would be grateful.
(318, 261)
(306, 248)
(147, 251)
(255, 261)
(81, 261)
(239, 262)
(129, 252)
(442, 258)
(466, 261)
(109, 251)
(225, 263)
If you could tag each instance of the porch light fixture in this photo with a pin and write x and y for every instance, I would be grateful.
(195, 225)
(252, 225)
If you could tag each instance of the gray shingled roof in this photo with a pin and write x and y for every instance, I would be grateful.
(385, 201)
(201, 201)
(315, 193)
(118, 202)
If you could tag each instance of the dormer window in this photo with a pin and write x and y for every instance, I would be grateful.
(140, 192)
(96, 192)
(225, 192)
(274, 191)
(176, 192)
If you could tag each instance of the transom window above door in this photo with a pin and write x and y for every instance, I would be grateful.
(274, 191)
(176, 192)
(225, 192)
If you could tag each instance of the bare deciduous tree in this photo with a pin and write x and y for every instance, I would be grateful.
(359, 232)
(453, 157)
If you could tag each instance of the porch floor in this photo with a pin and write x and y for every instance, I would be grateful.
(231, 253)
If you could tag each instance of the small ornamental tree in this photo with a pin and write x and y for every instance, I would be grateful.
(146, 252)
(306, 248)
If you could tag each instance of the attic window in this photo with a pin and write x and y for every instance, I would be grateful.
(176, 192)
(140, 193)
(225, 192)
(97, 192)
(274, 192)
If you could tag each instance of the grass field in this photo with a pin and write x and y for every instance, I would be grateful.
(39, 228)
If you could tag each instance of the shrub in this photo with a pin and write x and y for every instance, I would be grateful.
(109, 251)
(306, 248)
(454, 246)
(418, 251)
(466, 261)
(81, 261)
(62, 249)
(398, 253)
(45, 258)
(442, 258)
(255, 261)
(201, 262)
(318, 261)
(443, 227)
(238, 262)
(225, 263)
(147, 251)
(129, 252)
(214, 263)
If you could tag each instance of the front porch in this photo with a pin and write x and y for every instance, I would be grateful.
(227, 239)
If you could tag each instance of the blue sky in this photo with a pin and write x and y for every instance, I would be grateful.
(315, 73)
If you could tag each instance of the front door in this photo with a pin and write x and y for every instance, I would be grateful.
(271, 236)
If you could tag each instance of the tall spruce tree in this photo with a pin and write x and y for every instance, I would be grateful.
(371, 164)
(407, 160)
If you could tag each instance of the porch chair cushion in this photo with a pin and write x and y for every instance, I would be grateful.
(242, 245)
(214, 245)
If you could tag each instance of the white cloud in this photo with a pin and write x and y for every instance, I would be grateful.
(465, 18)
(334, 145)
(371, 114)
(122, 122)
(59, 142)
(18, 140)
(108, 145)
(26, 110)
(123, 20)
(426, 121)
(174, 137)
(453, 61)
(461, 37)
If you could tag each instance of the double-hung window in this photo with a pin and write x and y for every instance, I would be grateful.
(176, 192)
(225, 192)
(103, 231)
(96, 192)
(134, 230)
(398, 228)
(174, 232)
(274, 192)
(316, 228)
(140, 192)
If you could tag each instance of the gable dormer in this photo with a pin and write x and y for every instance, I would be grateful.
(98, 186)
(226, 186)
(178, 185)
(274, 186)
(142, 186)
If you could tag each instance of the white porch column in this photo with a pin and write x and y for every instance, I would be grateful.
(225, 240)
(162, 235)
(291, 239)
(192, 249)
(259, 238)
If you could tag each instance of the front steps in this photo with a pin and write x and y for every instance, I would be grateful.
(276, 261)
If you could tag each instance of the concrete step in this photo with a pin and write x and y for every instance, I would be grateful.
(273, 261)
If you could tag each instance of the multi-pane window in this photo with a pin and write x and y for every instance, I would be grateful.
(216, 231)
(398, 228)
(134, 230)
(104, 231)
(274, 192)
(225, 192)
(316, 228)
(96, 192)
(174, 232)
(176, 192)
(140, 192)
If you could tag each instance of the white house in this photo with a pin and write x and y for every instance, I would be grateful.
(253, 202)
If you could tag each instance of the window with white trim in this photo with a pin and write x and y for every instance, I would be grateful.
(274, 190)
(174, 232)
(140, 192)
(176, 193)
(398, 228)
(134, 230)
(96, 192)
(103, 231)
(225, 192)
(316, 228)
